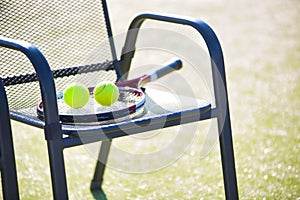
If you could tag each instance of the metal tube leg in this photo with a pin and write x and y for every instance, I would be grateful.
(228, 164)
(9, 179)
(57, 168)
(100, 165)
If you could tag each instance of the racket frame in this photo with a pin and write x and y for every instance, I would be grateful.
(133, 85)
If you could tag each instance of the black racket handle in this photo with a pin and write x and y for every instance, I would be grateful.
(173, 64)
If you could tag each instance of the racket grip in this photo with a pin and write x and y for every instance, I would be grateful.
(173, 64)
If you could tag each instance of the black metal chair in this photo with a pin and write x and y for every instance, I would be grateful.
(7, 157)
(75, 38)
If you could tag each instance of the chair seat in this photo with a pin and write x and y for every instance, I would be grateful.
(162, 109)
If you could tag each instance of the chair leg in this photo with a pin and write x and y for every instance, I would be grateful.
(227, 156)
(9, 179)
(57, 168)
(8, 167)
(96, 183)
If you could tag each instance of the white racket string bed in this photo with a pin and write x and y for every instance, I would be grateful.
(47, 45)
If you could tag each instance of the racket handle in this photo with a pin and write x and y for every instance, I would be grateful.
(170, 66)
(173, 64)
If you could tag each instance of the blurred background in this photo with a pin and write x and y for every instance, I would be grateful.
(261, 45)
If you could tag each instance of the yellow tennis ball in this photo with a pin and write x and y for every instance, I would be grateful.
(106, 93)
(76, 95)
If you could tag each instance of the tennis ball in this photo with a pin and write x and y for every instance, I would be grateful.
(76, 95)
(106, 93)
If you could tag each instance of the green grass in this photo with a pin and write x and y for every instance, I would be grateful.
(262, 56)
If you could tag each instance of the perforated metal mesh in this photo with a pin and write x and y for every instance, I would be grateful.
(68, 32)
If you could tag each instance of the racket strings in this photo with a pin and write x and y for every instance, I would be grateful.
(127, 99)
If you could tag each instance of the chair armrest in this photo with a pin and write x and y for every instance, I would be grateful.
(43, 72)
(210, 38)
(204, 29)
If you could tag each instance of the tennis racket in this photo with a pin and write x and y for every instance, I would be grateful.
(131, 100)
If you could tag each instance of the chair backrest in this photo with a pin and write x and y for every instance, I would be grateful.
(70, 34)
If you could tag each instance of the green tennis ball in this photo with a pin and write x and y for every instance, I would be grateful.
(106, 93)
(76, 95)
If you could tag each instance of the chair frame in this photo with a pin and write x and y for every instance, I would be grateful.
(9, 179)
(54, 131)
